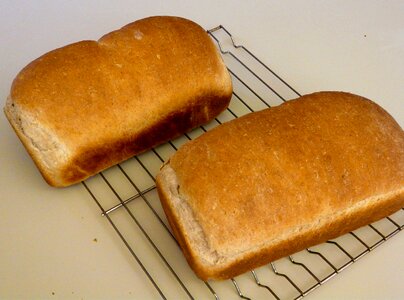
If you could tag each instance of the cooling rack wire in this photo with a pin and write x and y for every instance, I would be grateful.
(127, 198)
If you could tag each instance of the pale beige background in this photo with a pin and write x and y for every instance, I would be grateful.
(46, 234)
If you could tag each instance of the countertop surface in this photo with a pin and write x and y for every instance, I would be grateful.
(55, 244)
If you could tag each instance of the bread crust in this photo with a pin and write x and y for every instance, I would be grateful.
(275, 182)
(104, 101)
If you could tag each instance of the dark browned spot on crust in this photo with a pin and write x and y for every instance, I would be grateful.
(94, 160)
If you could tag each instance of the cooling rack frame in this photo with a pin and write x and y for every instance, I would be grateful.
(254, 80)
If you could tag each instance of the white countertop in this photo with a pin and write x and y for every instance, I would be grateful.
(47, 235)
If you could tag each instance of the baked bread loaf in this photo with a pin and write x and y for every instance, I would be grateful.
(92, 104)
(277, 181)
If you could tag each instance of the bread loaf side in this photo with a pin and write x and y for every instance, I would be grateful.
(89, 105)
(277, 181)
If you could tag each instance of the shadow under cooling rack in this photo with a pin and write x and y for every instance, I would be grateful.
(126, 196)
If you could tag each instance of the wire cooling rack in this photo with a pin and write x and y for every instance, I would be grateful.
(127, 197)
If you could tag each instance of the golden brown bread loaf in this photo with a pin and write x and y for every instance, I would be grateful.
(89, 105)
(277, 181)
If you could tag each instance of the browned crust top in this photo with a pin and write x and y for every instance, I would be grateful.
(98, 98)
(260, 177)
